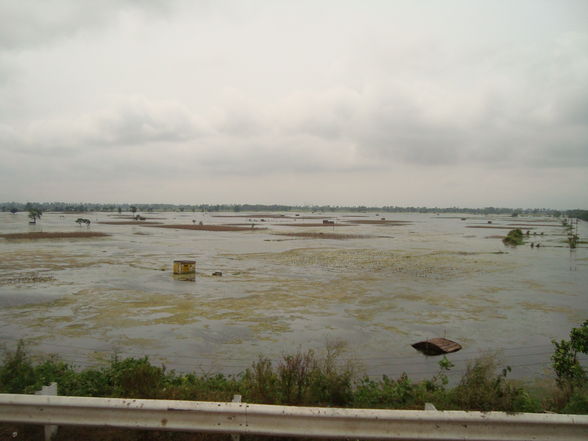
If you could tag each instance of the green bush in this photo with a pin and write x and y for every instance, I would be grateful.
(201, 388)
(577, 403)
(17, 374)
(303, 378)
(513, 238)
(570, 375)
(260, 382)
(136, 378)
(387, 393)
(481, 388)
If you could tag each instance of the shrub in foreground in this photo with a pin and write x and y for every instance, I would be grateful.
(302, 378)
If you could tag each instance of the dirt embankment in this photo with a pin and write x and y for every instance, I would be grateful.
(128, 223)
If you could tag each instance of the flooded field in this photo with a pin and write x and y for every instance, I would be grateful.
(291, 282)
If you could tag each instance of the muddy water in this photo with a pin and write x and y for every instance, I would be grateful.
(389, 286)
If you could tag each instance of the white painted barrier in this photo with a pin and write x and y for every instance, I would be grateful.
(50, 430)
(243, 418)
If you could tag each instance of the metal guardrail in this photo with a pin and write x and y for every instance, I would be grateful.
(243, 418)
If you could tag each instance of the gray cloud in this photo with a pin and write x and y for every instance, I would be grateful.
(249, 91)
(135, 121)
(29, 23)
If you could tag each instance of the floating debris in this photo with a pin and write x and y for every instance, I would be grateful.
(436, 346)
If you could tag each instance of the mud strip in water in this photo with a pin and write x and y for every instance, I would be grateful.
(128, 223)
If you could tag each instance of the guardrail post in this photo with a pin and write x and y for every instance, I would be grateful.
(236, 436)
(50, 429)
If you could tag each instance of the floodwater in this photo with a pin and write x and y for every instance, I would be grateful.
(390, 285)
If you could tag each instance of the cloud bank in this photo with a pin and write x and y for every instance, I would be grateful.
(230, 96)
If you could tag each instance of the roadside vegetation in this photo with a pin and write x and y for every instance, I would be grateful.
(304, 378)
(311, 379)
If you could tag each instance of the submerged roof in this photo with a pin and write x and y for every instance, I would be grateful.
(437, 346)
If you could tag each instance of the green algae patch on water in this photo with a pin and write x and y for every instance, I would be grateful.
(269, 293)
(437, 265)
(93, 310)
(548, 308)
(48, 260)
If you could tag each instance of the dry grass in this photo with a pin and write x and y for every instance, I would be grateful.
(208, 227)
(54, 235)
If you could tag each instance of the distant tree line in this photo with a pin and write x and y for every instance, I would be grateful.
(15, 207)
(580, 214)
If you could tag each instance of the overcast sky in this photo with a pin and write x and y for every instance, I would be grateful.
(436, 103)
